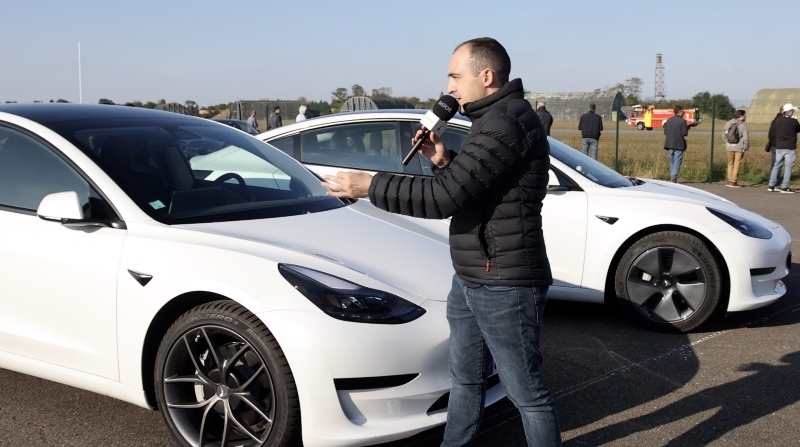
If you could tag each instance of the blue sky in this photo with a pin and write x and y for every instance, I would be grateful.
(216, 52)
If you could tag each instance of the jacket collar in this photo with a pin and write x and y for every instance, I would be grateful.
(511, 90)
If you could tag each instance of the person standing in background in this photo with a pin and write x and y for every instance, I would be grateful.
(590, 125)
(252, 119)
(275, 120)
(544, 116)
(735, 151)
(302, 115)
(785, 129)
(676, 131)
(771, 139)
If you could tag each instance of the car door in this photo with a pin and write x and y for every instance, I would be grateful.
(57, 282)
(564, 226)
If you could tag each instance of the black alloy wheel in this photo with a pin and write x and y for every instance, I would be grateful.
(222, 380)
(669, 281)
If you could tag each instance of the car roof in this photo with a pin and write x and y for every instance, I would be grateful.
(384, 114)
(47, 113)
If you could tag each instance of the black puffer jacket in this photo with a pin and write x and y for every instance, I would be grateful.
(493, 189)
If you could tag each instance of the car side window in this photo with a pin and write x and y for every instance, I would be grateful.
(285, 144)
(367, 146)
(452, 138)
(29, 170)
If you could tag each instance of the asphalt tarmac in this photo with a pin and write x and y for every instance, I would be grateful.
(732, 383)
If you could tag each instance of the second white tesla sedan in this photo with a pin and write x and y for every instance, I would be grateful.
(671, 255)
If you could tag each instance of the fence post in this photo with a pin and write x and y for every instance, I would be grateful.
(616, 109)
(713, 122)
(616, 151)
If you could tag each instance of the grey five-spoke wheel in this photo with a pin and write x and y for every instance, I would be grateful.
(669, 281)
(222, 380)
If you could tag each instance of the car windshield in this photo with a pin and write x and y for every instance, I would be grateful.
(587, 167)
(190, 171)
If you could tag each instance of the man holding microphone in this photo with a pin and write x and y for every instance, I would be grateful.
(493, 190)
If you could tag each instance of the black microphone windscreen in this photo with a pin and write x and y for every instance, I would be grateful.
(445, 108)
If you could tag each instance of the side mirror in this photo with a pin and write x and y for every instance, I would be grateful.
(66, 208)
(59, 206)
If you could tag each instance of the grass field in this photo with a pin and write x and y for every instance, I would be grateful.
(641, 153)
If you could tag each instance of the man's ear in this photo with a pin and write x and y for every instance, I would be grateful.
(488, 77)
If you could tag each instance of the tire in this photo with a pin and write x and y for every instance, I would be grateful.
(640, 125)
(669, 281)
(221, 379)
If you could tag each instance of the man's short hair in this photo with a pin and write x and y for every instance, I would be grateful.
(592, 107)
(276, 108)
(678, 110)
(739, 114)
(486, 52)
(540, 103)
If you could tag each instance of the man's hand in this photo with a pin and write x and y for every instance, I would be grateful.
(348, 184)
(433, 149)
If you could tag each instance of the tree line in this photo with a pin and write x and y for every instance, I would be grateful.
(717, 104)
(631, 89)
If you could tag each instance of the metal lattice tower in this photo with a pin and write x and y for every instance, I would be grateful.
(660, 90)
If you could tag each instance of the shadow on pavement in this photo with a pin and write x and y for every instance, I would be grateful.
(598, 364)
(734, 404)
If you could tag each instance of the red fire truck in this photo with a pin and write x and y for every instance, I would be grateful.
(650, 117)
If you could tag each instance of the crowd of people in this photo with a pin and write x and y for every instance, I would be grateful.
(782, 142)
(275, 120)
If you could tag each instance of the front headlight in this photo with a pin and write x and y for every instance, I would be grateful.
(344, 300)
(745, 226)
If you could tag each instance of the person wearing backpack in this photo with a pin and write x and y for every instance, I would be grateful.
(737, 142)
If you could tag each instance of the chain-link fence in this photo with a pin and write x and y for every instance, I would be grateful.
(640, 153)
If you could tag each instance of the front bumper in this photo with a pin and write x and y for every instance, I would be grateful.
(362, 384)
(756, 267)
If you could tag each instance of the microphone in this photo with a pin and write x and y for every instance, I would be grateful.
(435, 120)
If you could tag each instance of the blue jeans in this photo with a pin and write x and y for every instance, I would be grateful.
(675, 162)
(507, 322)
(782, 157)
(589, 143)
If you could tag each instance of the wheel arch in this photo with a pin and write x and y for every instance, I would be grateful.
(158, 327)
(610, 292)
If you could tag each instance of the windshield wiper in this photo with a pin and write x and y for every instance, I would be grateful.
(635, 181)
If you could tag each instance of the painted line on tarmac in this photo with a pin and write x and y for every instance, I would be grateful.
(623, 369)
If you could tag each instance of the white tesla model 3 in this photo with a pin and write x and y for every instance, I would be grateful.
(671, 255)
(235, 296)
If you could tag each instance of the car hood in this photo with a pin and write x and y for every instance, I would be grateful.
(406, 253)
(672, 192)
(678, 191)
